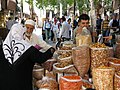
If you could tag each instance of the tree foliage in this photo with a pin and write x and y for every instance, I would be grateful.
(29, 1)
(81, 5)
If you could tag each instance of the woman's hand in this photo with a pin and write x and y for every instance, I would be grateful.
(52, 50)
(37, 47)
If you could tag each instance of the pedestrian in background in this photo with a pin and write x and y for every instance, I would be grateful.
(16, 20)
(9, 23)
(105, 28)
(47, 26)
(64, 32)
(75, 23)
(98, 24)
(70, 28)
(43, 31)
(113, 25)
(55, 29)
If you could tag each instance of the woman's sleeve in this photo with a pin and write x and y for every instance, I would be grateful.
(44, 45)
(40, 57)
(41, 43)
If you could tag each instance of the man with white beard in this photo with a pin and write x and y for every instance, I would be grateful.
(32, 38)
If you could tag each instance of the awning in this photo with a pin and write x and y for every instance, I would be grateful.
(11, 4)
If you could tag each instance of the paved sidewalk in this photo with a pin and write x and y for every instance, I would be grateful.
(52, 43)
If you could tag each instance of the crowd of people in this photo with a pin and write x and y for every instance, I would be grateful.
(56, 29)
(108, 27)
(22, 48)
(64, 28)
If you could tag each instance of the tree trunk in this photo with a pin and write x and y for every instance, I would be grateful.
(92, 14)
(93, 18)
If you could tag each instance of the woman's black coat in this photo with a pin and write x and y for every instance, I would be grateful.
(18, 76)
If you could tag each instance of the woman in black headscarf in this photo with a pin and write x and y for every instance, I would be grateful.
(17, 58)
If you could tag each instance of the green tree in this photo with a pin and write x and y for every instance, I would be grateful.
(30, 2)
(107, 5)
(81, 5)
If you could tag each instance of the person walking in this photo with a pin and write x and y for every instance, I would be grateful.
(64, 32)
(47, 26)
(9, 23)
(55, 29)
(70, 28)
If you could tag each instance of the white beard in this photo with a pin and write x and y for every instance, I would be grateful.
(28, 34)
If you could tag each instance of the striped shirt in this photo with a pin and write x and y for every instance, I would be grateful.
(105, 24)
